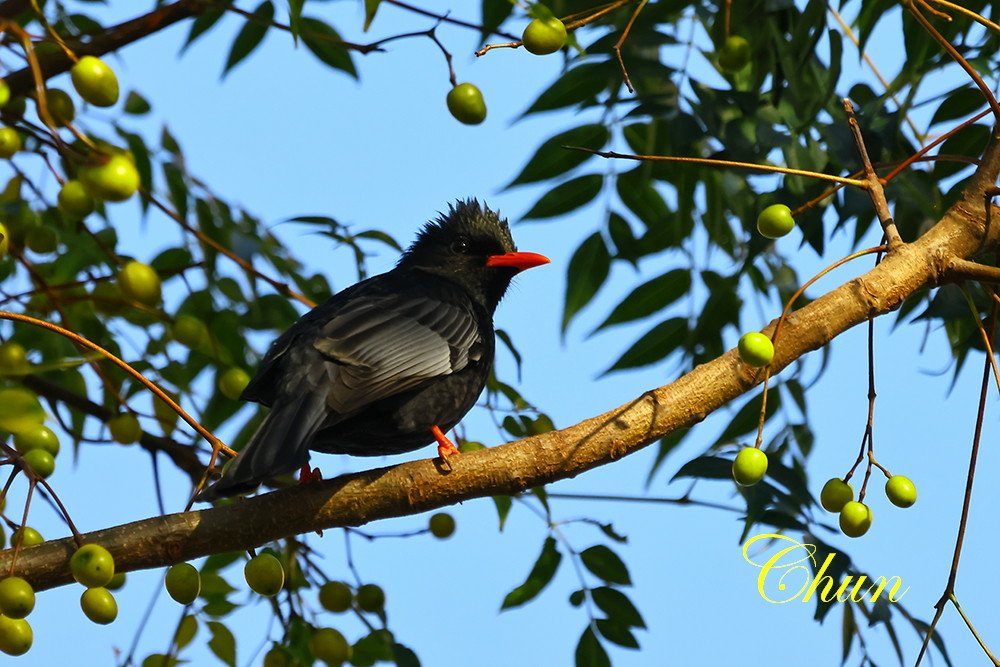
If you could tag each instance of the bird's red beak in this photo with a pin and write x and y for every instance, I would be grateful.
(517, 260)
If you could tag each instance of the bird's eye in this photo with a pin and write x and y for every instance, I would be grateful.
(460, 245)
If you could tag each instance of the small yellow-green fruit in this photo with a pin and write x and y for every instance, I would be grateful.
(756, 349)
(465, 102)
(749, 466)
(371, 598)
(26, 536)
(95, 81)
(116, 582)
(734, 54)
(92, 565)
(10, 142)
(544, 36)
(13, 359)
(99, 605)
(335, 596)
(41, 462)
(37, 437)
(835, 494)
(277, 657)
(442, 525)
(17, 597)
(233, 382)
(189, 331)
(15, 636)
(901, 491)
(60, 106)
(855, 519)
(140, 282)
(4, 240)
(183, 582)
(330, 646)
(125, 428)
(4, 92)
(264, 574)
(110, 177)
(775, 221)
(74, 200)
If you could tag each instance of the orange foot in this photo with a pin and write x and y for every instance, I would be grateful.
(446, 447)
(307, 474)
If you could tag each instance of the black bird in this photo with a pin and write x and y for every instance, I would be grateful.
(390, 364)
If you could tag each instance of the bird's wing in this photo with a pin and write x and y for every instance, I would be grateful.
(389, 344)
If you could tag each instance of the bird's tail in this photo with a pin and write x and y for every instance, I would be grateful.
(279, 445)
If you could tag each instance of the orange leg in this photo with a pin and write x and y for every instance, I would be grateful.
(307, 474)
(446, 447)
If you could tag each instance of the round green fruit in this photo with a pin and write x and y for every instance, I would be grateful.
(277, 657)
(92, 565)
(15, 636)
(140, 282)
(371, 598)
(4, 92)
(835, 494)
(17, 597)
(756, 349)
(442, 525)
(26, 536)
(264, 575)
(37, 437)
(74, 200)
(60, 106)
(544, 36)
(189, 331)
(42, 239)
(116, 582)
(110, 177)
(183, 583)
(335, 596)
(95, 81)
(39, 460)
(749, 466)
(465, 102)
(14, 110)
(10, 142)
(4, 237)
(13, 359)
(901, 491)
(125, 428)
(855, 519)
(775, 221)
(99, 605)
(233, 382)
(330, 646)
(734, 54)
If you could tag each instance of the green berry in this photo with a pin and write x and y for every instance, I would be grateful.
(544, 36)
(835, 494)
(74, 200)
(901, 491)
(264, 574)
(465, 102)
(330, 646)
(99, 605)
(60, 106)
(749, 466)
(92, 565)
(442, 525)
(775, 221)
(17, 597)
(233, 382)
(4, 92)
(41, 462)
(140, 282)
(855, 519)
(42, 239)
(10, 142)
(26, 536)
(15, 636)
(335, 596)
(734, 54)
(95, 81)
(371, 598)
(183, 582)
(756, 349)
(189, 331)
(125, 428)
(116, 582)
(37, 437)
(13, 359)
(277, 657)
(110, 177)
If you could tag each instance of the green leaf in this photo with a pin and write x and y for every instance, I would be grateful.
(222, 643)
(136, 104)
(606, 564)
(295, 18)
(404, 656)
(250, 35)
(186, 630)
(617, 633)
(959, 103)
(326, 44)
(495, 12)
(617, 606)
(552, 159)
(650, 297)
(706, 467)
(371, 7)
(577, 86)
(539, 577)
(587, 271)
(655, 345)
(503, 504)
(208, 18)
(566, 197)
(589, 652)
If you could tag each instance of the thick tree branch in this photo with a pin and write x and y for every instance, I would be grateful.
(419, 485)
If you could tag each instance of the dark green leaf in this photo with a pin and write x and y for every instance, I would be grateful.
(403, 656)
(136, 104)
(250, 35)
(606, 564)
(371, 7)
(578, 85)
(655, 345)
(495, 12)
(552, 159)
(295, 18)
(539, 577)
(566, 197)
(326, 44)
(503, 504)
(587, 271)
(959, 103)
(617, 606)
(186, 630)
(617, 633)
(706, 467)
(206, 19)
(589, 652)
(650, 297)
(222, 643)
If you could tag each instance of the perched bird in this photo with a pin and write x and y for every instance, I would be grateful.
(390, 364)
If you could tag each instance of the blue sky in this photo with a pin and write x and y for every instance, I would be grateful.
(283, 136)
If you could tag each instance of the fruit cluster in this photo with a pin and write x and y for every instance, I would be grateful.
(837, 496)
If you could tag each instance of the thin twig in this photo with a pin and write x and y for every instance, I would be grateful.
(875, 190)
(617, 48)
